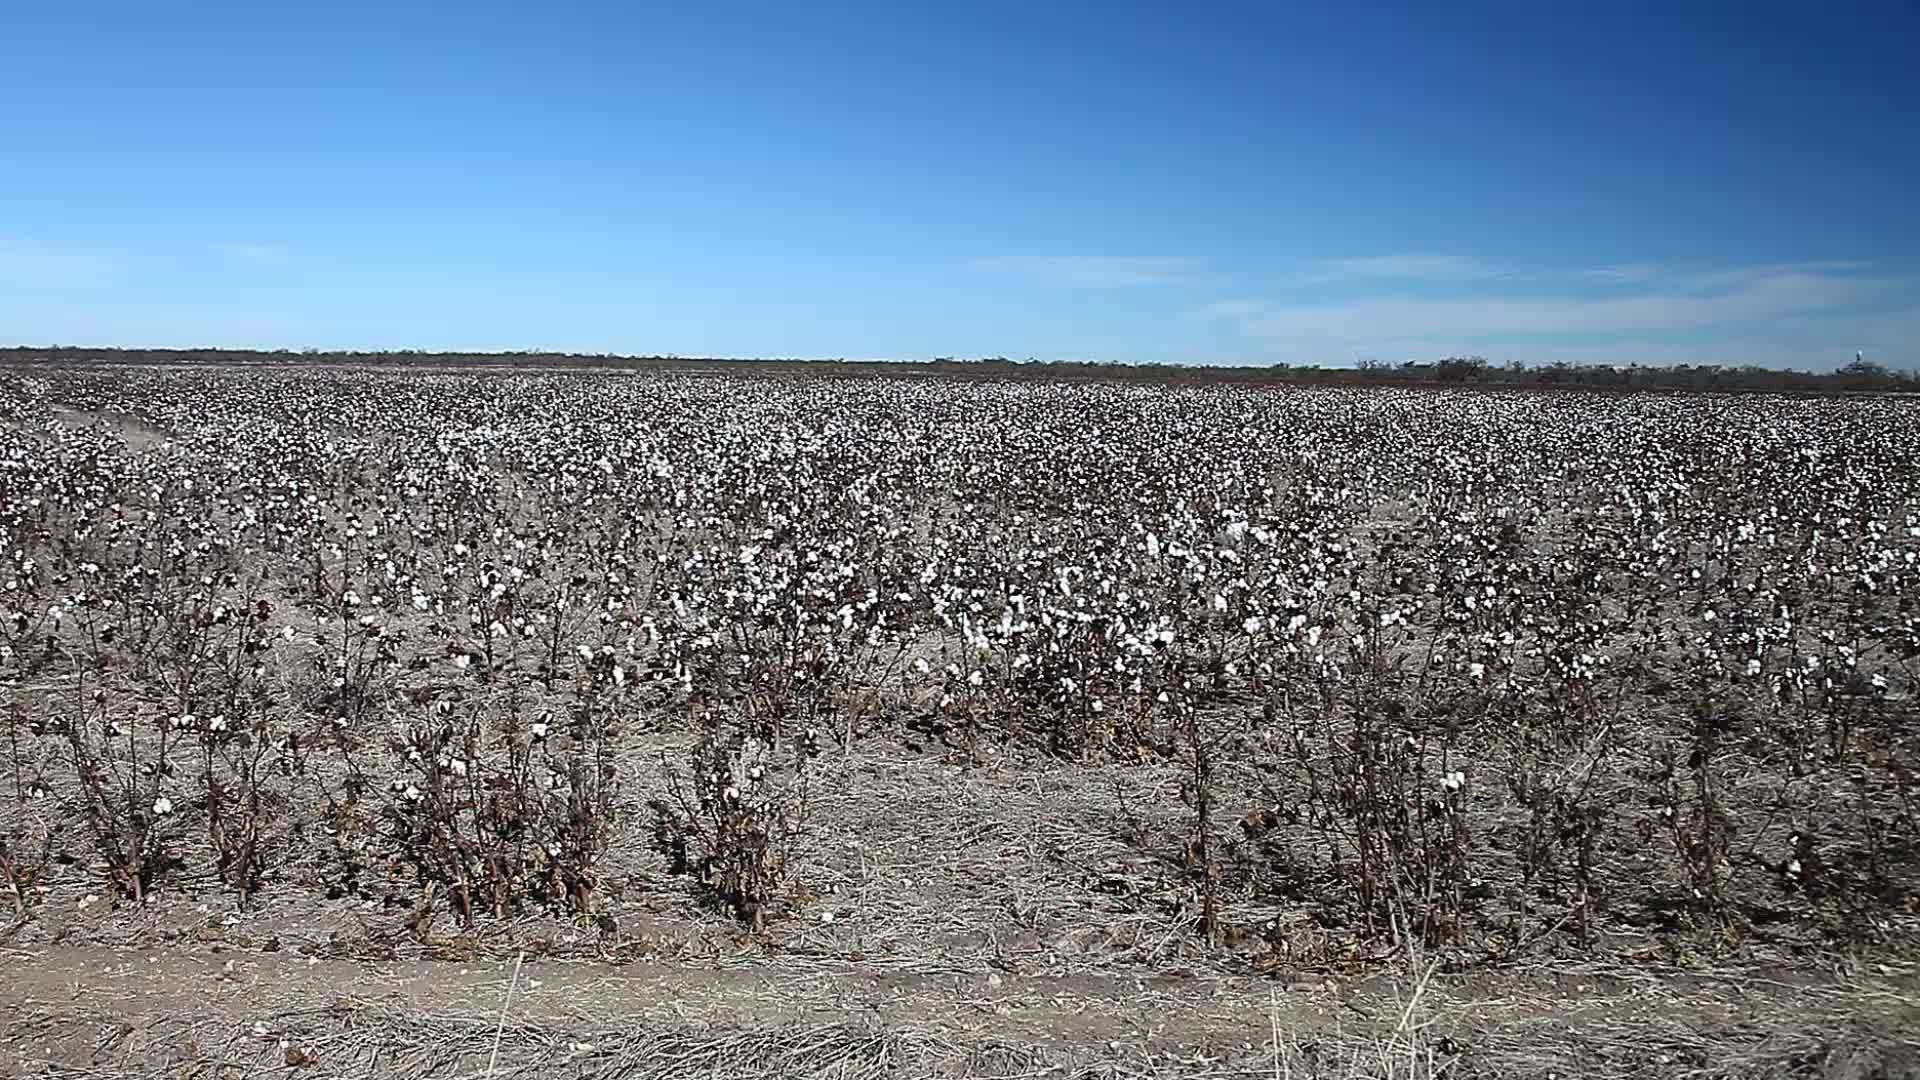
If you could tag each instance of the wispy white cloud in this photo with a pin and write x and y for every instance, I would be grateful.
(1612, 310)
(1093, 271)
(254, 254)
(1240, 308)
(1697, 278)
(1623, 273)
(1409, 267)
(24, 262)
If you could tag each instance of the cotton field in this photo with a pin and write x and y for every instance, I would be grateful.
(1265, 678)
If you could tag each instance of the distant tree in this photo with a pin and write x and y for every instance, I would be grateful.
(1459, 369)
(1863, 370)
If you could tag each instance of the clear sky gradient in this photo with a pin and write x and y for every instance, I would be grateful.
(1252, 183)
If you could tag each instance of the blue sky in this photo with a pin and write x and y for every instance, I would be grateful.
(1144, 182)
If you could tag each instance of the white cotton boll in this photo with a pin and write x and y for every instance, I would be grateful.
(1219, 602)
(162, 806)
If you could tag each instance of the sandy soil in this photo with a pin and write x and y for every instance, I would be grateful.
(214, 1010)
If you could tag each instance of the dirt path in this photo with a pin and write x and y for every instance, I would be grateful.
(88, 1011)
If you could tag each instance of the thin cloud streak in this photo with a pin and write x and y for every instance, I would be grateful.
(26, 263)
(1408, 267)
(1092, 271)
(254, 254)
(1661, 300)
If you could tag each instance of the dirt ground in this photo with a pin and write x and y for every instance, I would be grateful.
(980, 921)
(214, 1010)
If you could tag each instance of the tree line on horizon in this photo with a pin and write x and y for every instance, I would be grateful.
(1859, 376)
